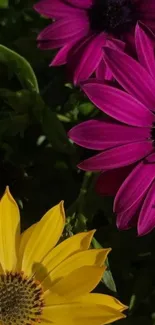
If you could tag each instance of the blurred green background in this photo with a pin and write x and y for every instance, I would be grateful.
(38, 106)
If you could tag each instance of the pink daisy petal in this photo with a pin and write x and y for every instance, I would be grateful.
(109, 182)
(129, 218)
(130, 41)
(146, 9)
(55, 9)
(132, 76)
(87, 57)
(90, 59)
(101, 135)
(118, 104)
(150, 159)
(151, 25)
(62, 55)
(145, 45)
(84, 4)
(108, 74)
(146, 221)
(63, 31)
(101, 71)
(135, 185)
(115, 44)
(117, 157)
(76, 53)
(98, 17)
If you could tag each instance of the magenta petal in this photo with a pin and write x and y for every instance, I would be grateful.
(135, 185)
(101, 135)
(84, 4)
(146, 221)
(87, 57)
(129, 218)
(132, 76)
(147, 9)
(55, 9)
(115, 44)
(118, 104)
(145, 45)
(130, 40)
(63, 31)
(76, 54)
(117, 157)
(61, 56)
(103, 72)
(109, 182)
(150, 24)
(108, 74)
(150, 159)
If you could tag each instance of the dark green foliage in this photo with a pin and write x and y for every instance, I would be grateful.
(38, 162)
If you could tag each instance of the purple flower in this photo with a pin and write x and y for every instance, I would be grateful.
(82, 27)
(128, 140)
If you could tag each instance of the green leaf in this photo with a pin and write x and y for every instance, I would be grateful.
(13, 125)
(21, 67)
(142, 287)
(4, 3)
(86, 108)
(107, 277)
(55, 131)
(32, 104)
(19, 101)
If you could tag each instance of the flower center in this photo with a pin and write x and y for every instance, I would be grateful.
(20, 299)
(112, 16)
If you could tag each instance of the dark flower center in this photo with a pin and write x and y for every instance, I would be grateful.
(20, 299)
(112, 16)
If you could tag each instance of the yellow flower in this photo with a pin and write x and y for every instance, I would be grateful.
(44, 283)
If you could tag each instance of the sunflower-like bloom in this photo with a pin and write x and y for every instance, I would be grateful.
(83, 27)
(44, 283)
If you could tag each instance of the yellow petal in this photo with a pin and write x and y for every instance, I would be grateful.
(89, 257)
(23, 241)
(44, 322)
(67, 248)
(9, 231)
(101, 299)
(52, 298)
(81, 313)
(79, 282)
(1, 270)
(44, 237)
(91, 298)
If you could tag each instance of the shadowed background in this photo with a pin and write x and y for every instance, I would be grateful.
(38, 105)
